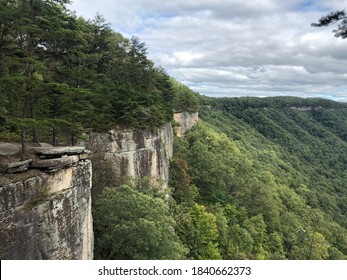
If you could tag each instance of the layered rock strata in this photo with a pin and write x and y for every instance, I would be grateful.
(45, 212)
(124, 154)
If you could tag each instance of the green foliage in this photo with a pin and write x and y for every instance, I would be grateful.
(131, 225)
(257, 178)
(337, 16)
(184, 98)
(198, 230)
(272, 172)
(256, 227)
(77, 72)
(183, 190)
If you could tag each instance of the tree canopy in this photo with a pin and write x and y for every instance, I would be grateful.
(271, 172)
(184, 99)
(256, 178)
(133, 225)
(337, 16)
(60, 74)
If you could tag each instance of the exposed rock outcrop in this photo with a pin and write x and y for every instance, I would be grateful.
(9, 149)
(45, 212)
(185, 121)
(15, 166)
(45, 201)
(123, 154)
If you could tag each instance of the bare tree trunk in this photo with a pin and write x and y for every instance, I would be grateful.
(54, 137)
(33, 116)
(24, 154)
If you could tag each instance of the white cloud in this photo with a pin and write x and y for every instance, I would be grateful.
(184, 58)
(236, 47)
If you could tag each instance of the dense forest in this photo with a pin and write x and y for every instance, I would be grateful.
(61, 74)
(256, 178)
(271, 172)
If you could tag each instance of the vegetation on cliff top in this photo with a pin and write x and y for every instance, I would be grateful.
(257, 178)
(60, 74)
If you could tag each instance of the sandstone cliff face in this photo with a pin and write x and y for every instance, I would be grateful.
(121, 155)
(185, 121)
(45, 202)
(47, 215)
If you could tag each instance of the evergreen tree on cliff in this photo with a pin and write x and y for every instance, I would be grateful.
(337, 16)
(60, 74)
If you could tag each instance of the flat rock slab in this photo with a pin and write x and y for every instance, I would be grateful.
(58, 151)
(9, 149)
(54, 163)
(15, 167)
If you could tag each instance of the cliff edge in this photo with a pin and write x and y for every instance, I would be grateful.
(125, 154)
(45, 205)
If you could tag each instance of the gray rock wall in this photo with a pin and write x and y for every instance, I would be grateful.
(125, 154)
(185, 121)
(45, 202)
(47, 215)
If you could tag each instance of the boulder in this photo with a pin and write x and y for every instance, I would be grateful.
(15, 167)
(9, 149)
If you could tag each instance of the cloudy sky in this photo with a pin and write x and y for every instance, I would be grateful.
(236, 47)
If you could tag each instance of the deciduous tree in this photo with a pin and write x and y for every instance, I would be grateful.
(132, 225)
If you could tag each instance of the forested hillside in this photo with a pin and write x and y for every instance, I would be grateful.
(256, 178)
(271, 172)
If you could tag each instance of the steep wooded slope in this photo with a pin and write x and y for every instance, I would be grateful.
(272, 171)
